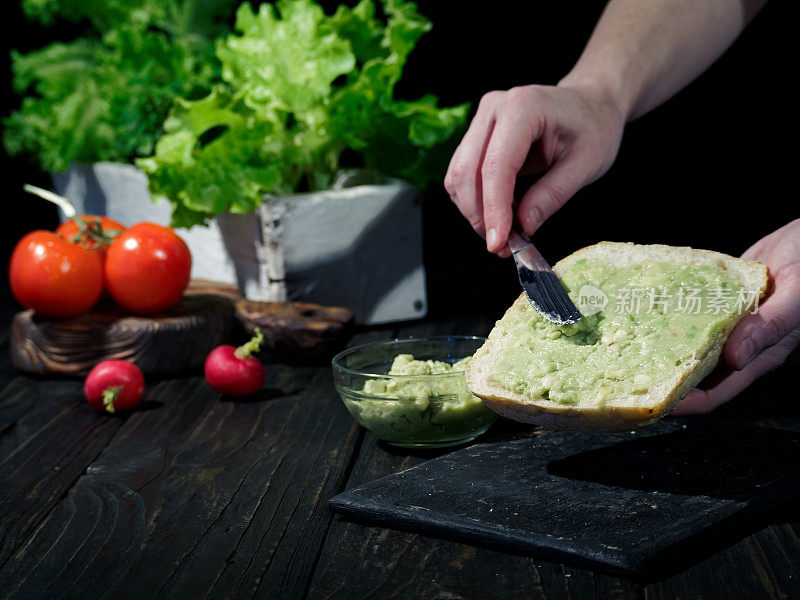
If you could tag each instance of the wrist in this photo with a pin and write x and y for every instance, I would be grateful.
(607, 88)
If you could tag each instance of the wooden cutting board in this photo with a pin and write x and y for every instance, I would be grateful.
(639, 503)
(178, 340)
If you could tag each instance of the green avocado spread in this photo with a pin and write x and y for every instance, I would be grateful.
(419, 390)
(640, 324)
(420, 401)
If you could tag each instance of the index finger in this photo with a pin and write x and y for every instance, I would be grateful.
(462, 179)
(512, 137)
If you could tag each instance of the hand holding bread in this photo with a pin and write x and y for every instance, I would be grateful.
(619, 368)
(762, 341)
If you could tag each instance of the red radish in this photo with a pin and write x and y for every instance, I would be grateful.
(114, 385)
(234, 371)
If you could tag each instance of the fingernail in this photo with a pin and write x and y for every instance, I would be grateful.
(746, 352)
(531, 220)
(491, 238)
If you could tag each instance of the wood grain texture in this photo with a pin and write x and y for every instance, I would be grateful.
(298, 330)
(406, 565)
(634, 504)
(48, 437)
(397, 564)
(196, 496)
(200, 497)
(292, 330)
(175, 341)
(762, 565)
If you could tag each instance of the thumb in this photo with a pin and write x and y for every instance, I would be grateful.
(569, 174)
(775, 318)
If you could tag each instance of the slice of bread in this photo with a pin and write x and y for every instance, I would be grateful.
(635, 410)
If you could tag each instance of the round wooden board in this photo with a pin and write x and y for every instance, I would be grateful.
(172, 342)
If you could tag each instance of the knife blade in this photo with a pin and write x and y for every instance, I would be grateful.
(540, 283)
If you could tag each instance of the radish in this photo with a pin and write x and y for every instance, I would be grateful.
(114, 385)
(234, 371)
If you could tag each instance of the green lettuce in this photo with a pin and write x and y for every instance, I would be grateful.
(298, 88)
(105, 96)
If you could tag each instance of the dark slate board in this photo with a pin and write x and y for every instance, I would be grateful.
(630, 503)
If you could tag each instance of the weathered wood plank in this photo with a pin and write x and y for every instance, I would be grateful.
(359, 561)
(395, 564)
(200, 497)
(763, 565)
(766, 563)
(171, 342)
(48, 436)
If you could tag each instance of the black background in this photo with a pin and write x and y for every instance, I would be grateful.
(713, 168)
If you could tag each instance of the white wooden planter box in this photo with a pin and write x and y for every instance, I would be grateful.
(359, 247)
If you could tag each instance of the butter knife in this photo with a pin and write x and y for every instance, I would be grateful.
(542, 286)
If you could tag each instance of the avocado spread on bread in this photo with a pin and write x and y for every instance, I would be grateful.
(657, 316)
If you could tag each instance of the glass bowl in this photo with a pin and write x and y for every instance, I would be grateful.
(433, 410)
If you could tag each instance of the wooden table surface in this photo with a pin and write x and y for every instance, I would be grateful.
(195, 497)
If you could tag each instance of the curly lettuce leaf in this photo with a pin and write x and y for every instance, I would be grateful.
(198, 168)
(410, 140)
(312, 86)
(200, 19)
(105, 96)
(291, 60)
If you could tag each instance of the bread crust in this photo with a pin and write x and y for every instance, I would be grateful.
(633, 411)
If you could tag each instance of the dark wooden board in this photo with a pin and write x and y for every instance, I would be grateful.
(405, 565)
(175, 341)
(197, 495)
(139, 505)
(48, 437)
(179, 339)
(630, 503)
(298, 330)
(398, 564)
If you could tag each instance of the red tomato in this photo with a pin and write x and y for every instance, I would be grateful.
(147, 268)
(95, 234)
(53, 277)
(114, 385)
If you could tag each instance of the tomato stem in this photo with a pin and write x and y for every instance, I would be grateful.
(62, 203)
(254, 345)
(110, 394)
(92, 229)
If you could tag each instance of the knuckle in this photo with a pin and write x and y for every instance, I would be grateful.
(455, 175)
(489, 99)
(777, 330)
(517, 95)
(449, 185)
(523, 96)
(476, 222)
(553, 195)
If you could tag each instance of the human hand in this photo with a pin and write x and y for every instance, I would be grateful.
(571, 132)
(761, 341)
